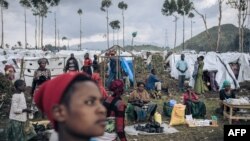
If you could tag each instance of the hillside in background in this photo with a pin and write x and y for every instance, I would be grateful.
(229, 40)
(144, 47)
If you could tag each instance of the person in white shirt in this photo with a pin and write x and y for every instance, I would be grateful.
(18, 115)
(182, 68)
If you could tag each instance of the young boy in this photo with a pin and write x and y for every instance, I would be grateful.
(73, 104)
(18, 114)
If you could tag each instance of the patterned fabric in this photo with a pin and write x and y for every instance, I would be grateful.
(199, 86)
(17, 131)
(40, 76)
(71, 65)
(116, 108)
(136, 95)
(192, 96)
(117, 87)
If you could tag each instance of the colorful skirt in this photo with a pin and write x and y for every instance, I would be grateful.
(19, 131)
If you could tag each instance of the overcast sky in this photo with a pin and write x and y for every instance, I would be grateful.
(143, 16)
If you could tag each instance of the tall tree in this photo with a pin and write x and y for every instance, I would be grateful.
(80, 14)
(105, 8)
(242, 7)
(134, 34)
(42, 8)
(65, 38)
(26, 4)
(4, 5)
(123, 6)
(219, 26)
(35, 14)
(115, 25)
(191, 16)
(181, 7)
(184, 8)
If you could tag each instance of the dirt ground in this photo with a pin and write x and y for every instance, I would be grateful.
(185, 133)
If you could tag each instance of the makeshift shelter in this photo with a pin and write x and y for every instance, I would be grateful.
(215, 62)
(126, 63)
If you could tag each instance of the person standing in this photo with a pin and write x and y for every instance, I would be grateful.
(115, 113)
(87, 63)
(41, 75)
(18, 115)
(72, 64)
(182, 68)
(199, 86)
(95, 62)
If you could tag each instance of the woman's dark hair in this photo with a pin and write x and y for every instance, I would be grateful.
(18, 83)
(153, 70)
(201, 57)
(140, 83)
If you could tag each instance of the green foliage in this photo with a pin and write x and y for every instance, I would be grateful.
(182, 7)
(144, 47)
(122, 5)
(115, 25)
(79, 11)
(105, 4)
(26, 3)
(229, 39)
(134, 34)
(4, 4)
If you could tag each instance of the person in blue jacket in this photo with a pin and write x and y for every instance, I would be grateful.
(152, 82)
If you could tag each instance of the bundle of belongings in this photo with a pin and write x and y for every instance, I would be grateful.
(168, 107)
(152, 127)
(240, 101)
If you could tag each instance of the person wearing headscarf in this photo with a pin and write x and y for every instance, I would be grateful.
(193, 105)
(226, 92)
(10, 72)
(72, 64)
(74, 106)
(115, 113)
(140, 99)
(199, 86)
(96, 76)
(41, 75)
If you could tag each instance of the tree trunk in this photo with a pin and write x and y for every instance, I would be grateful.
(183, 47)
(107, 27)
(219, 27)
(117, 37)
(42, 34)
(36, 32)
(80, 32)
(58, 37)
(113, 37)
(39, 31)
(2, 42)
(25, 24)
(55, 30)
(132, 43)
(245, 14)
(207, 32)
(175, 31)
(123, 42)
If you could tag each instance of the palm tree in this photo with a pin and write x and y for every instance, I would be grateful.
(123, 6)
(104, 7)
(182, 7)
(26, 4)
(115, 25)
(191, 16)
(80, 14)
(65, 38)
(35, 13)
(42, 9)
(134, 34)
(4, 5)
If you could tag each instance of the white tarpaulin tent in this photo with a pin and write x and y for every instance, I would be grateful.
(215, 62)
